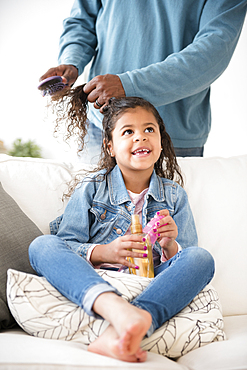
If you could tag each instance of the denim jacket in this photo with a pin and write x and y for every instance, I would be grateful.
(100, 210)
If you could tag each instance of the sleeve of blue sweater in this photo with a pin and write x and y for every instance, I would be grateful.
(181, 74)
(79, 40)
(194, 68)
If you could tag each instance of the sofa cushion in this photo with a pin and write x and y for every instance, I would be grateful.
(16, 233)
(37, 185)
(43, 312)
(216, 188)
(230, 354)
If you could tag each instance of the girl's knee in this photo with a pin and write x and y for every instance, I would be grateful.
(43, 250)
(40, 243)
(202, 260)
(40, 246)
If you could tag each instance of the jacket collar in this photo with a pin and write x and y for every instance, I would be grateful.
(118, 192)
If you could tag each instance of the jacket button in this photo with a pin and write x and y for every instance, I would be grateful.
(129, 208)
(102, 216)
(119, 231)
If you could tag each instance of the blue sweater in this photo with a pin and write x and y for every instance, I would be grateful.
(165, 51)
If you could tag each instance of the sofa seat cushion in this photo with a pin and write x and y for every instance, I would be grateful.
(230, 354)
(42, 311)
(32, 353)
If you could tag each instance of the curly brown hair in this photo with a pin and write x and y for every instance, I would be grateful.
(71, 108)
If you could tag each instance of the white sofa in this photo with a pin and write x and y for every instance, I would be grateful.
(217, 190)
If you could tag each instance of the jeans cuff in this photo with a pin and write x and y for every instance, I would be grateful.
(150, 331)
(92, 294)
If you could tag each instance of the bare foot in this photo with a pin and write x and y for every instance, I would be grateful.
(133, 327)
(130, 323)
(108, 345)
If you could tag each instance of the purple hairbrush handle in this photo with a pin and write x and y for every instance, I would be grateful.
(51, 85)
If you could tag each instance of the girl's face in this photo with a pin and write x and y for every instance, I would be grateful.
(136, 142)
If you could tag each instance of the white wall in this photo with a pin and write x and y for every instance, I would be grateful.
(29, 34)
(228, 136)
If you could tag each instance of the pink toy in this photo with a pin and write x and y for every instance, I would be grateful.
(148, 229)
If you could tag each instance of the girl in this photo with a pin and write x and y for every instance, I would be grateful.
(94, 232)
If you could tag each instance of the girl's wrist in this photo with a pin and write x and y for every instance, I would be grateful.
(170, 251)
(97, 254)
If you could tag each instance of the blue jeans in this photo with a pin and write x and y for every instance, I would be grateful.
(93, 142)
(176, 281)
(189, 152)
(92, 149)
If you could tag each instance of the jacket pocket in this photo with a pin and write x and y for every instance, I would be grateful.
(104, 225)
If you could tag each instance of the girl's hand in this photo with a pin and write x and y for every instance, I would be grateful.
(167, 232)
(119, 250)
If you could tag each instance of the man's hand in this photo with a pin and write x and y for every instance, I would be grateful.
(101, 88)
(68, 73)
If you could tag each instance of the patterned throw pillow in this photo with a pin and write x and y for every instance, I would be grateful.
(43, 312)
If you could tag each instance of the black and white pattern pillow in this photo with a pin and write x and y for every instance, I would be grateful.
(43, 312)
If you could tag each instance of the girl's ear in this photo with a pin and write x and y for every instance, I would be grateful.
(109, 148)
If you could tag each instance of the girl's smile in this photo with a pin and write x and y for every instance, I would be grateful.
(136, 142)
(141, 151)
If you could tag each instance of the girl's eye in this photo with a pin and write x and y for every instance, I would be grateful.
(149, 129)
(128, 132)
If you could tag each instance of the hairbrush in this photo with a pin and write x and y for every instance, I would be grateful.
(51, 85)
